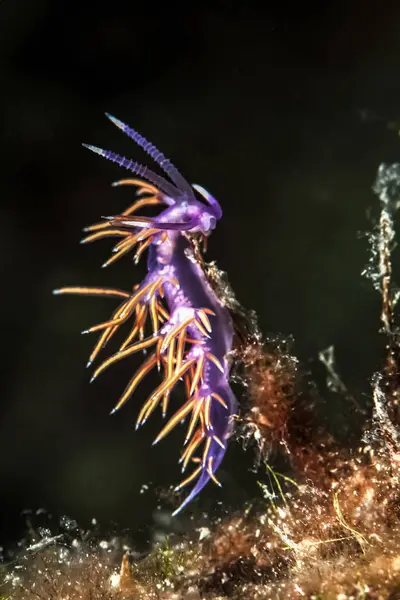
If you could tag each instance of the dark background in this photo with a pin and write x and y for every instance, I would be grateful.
(283, 113)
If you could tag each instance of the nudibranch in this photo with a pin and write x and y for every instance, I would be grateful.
(190, 331)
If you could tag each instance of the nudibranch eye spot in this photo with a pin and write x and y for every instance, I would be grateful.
(191, 331)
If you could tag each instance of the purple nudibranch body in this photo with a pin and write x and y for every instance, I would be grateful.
(192, 330)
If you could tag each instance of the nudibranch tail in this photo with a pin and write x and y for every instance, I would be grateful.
(173, 314)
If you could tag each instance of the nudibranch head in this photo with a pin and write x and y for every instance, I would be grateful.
(179, 192)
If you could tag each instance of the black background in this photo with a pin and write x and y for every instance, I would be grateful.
(284, 113)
